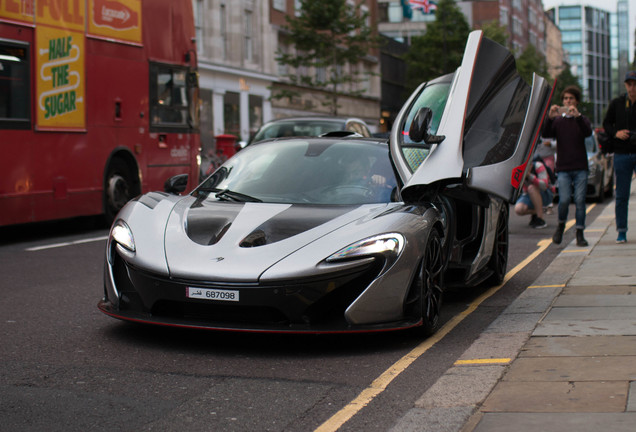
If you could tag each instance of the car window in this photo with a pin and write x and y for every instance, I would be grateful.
(434, 96)
(297, 128)
(359, 128)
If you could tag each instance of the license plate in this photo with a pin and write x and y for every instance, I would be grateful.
(212, 294)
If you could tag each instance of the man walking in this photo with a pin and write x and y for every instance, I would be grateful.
(620, 125)
(570, 128)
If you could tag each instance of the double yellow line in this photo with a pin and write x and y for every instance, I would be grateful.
(381, 383)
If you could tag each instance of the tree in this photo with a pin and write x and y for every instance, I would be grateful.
(496, 32)
(328, 36)
(531, 61)
(440, 50)
(564, 79)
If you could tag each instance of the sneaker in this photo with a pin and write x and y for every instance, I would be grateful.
(538, 223)
(622, 238)
(533, 220)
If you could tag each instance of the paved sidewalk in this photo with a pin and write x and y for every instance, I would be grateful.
(572, 340)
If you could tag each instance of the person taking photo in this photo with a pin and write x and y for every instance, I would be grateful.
(570, 128)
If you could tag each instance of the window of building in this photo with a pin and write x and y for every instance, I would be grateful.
(15, 87)
(573, 48)
(197, 7)
(248, 46)
(232, 114)
(283, 47)
(280, 5)
(570, 36)
(572, 12)
(503, 16)
(223, 30)
(570, 24)
(321, 74)
(532, 17)
(517, 27)
(255, 113)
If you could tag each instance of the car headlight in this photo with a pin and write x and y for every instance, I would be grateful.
(390, 245)
(122, 235)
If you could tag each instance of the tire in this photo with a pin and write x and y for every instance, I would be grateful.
(430, 284)
(120, 187)
(499, 259)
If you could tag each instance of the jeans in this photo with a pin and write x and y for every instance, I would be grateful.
(568, 180)
(624, 166)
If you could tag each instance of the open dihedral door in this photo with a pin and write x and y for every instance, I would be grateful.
(490, 121)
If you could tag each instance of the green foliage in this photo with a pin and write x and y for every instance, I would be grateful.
(327, 35)
(531, 61)
(564, 79)
(496, 32)
(440, 50)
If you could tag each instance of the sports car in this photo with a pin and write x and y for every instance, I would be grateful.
(337, 233)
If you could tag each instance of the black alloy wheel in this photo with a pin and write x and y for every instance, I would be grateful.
(430, 283)
(499, 259)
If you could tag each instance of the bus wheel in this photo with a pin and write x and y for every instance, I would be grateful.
(118, 189)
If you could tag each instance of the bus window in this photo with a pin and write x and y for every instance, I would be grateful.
(169, 96)
(14, 85)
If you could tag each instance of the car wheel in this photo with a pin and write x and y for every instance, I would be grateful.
(430, 283)
(499, 259)
(119, 188)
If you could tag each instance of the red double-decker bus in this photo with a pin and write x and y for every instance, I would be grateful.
(98, 103)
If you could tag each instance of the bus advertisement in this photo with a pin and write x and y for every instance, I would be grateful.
(98, 103)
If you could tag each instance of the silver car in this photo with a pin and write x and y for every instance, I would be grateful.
(339, 234)
(309, 126)
(600, 180)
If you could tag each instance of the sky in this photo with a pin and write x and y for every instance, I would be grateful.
(608, 5)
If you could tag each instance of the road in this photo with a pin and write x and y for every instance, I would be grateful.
(67, 367)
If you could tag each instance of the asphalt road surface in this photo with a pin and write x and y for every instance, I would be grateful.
(67, 367)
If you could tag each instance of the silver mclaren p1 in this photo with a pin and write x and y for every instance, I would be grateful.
(337, 233)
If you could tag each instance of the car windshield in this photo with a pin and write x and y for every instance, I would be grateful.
(316, 171)
(297, 128)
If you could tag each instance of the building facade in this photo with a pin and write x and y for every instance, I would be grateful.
(236, 67)
(310, 100)
(524, 20)
(619, 45)
(585, 31)
(237, 41)
(554, 55)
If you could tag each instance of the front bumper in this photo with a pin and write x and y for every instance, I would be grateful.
(311, 305)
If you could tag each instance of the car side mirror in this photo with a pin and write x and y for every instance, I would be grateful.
(421, 125)
(176, 184)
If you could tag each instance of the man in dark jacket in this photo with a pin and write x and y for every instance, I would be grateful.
(620, 126)
(570, 128)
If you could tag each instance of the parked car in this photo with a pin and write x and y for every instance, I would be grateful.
(600, 180)
(330, 234)
(309, 126)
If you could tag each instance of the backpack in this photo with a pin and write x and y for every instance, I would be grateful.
(551, 175)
